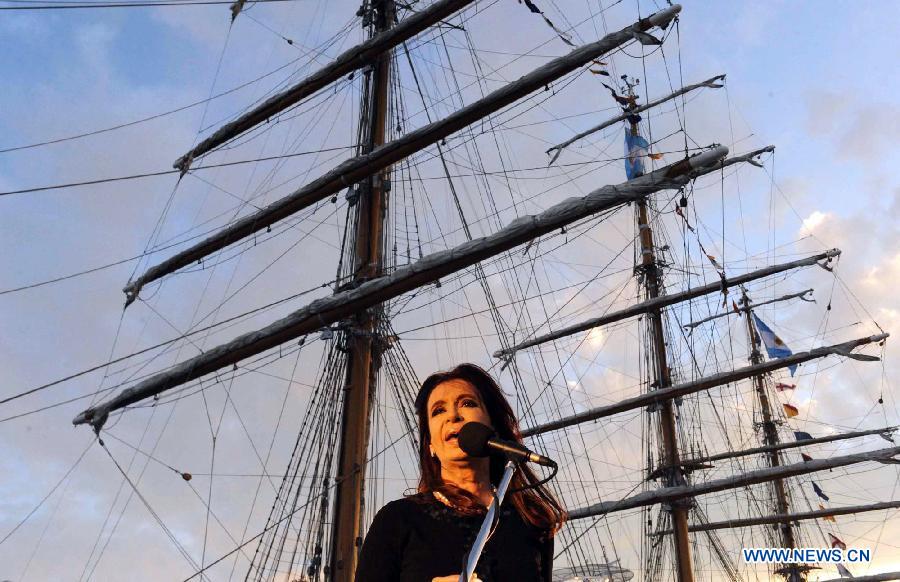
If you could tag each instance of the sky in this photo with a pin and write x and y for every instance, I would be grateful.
(816, 79)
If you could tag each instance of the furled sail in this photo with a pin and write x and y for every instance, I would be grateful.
(656, 396)
(670, 494)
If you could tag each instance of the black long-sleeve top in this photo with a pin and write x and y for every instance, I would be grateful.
(419, 538)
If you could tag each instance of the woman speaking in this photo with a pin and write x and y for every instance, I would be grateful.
(424, 537)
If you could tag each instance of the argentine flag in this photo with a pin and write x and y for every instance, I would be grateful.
(636, 149)
(775, 347)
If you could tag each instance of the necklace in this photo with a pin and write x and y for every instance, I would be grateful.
(443, 499)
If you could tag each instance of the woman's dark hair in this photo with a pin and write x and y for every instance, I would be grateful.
(535, 505)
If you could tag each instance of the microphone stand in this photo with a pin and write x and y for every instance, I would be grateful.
(489, 522)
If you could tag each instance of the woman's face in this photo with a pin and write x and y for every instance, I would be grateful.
(451, 405)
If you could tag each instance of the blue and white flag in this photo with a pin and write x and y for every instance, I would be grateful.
(775, 347)
(636, 148)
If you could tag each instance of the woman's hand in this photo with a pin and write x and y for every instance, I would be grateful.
(454, 578)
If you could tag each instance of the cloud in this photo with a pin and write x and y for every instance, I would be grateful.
(206, 29)
(824, 111)
(26, 28)
(754, 23)
(869, 267)
(857, 129)
(93, 43)
(871, 133)
(811, 222)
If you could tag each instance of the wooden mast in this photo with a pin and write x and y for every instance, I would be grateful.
(364, 351)
(770, 439)
(652, 284)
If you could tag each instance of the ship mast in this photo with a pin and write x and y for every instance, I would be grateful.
(770, 439)
(363, 358)
(675, 477)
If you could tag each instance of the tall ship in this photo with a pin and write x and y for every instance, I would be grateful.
(569, 211)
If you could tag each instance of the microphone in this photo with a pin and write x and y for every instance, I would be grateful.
(479, 440)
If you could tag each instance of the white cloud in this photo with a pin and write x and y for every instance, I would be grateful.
(811, 222)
